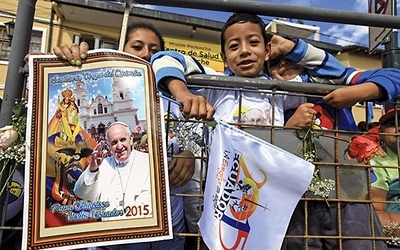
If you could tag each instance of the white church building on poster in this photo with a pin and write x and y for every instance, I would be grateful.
(97, 114)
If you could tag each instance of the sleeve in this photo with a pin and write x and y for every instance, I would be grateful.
(167, 64)
(86, 186)
(144, 197)
(318, 62)
(387, 78)
(382, 179)
(322, 67)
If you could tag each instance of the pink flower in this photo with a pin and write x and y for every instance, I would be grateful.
(364, 148)
(7, 136)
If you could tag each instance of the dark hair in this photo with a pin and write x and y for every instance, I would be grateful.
(364, 126)
(243, 18)
(134, 26)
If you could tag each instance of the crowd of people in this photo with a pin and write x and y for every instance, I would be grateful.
(247, 51)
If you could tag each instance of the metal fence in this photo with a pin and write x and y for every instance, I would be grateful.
(348, 209)
(352, 180)
(343, 220)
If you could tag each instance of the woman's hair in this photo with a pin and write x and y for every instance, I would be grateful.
(134, 26)
(243, 18)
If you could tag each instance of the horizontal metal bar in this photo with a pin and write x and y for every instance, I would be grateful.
(284, 10)
(259, 84)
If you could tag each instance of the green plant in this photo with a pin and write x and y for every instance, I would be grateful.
(318, 186)
(13, 142)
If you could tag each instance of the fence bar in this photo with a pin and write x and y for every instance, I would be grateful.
(284, 10)
(259, 84)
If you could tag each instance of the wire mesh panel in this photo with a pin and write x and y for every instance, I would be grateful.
(336, 212)
(343, 218)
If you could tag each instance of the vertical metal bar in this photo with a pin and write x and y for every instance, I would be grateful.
(122, 36)
(15, 81)
(391, 55)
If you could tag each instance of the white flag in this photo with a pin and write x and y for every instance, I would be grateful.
(251, 191)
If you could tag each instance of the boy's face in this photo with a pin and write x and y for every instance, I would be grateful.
(245, 49)
(282, 69)
(390, 140)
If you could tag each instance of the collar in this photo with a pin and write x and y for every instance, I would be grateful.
(124, 163)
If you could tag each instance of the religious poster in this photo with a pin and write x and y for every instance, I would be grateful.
(96, 171)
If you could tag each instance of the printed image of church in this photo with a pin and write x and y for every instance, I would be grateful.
(97, 114)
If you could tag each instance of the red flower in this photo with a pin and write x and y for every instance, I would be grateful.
(374, 134)
(364, 148)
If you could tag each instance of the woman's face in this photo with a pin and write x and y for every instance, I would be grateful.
(143, 43)
(389, 140)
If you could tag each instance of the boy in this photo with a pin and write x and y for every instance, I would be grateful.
(386, 185)
(283, 68)
(244, 50)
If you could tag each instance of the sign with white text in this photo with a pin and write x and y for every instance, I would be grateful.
(207, 54)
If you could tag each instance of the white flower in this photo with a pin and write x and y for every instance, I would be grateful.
(7, 137)
(7, 127)
(391, 230)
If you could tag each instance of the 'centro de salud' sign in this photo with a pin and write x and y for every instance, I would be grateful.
(207, 54)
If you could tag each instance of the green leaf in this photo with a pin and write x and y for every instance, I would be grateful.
(302, 133)
(211, 124)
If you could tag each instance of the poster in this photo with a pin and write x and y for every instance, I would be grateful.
(125, 199)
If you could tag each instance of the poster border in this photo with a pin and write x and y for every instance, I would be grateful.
(37, 118)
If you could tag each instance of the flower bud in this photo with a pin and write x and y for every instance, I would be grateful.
(7, 138)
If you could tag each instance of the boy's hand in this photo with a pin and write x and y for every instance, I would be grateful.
(73, 54)
(181, 169)
(346, 97)
(279, 46)
(196, 106)
(304, 116)
(193, 105)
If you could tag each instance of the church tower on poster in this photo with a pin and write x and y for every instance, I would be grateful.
(96, 114)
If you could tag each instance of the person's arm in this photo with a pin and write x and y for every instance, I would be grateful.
(379, 85)
(303, 117)
(181, 168)
(192, 105)
(87, 186)
(171, 64)
(170, 69)
(348, 96)
(379, 196)
(318, 63)
(322, 65)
